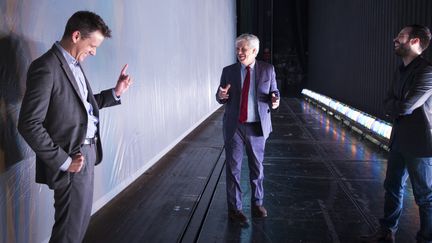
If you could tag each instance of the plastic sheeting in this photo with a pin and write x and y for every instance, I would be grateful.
(175, 51)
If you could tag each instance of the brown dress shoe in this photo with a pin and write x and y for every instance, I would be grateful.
(237, 215)
(259, 212)
(381, 235)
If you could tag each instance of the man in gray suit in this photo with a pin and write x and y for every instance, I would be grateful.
(248, 90)
(409, 104)
(59, 119)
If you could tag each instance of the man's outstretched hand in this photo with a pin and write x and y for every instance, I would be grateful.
(123, 83)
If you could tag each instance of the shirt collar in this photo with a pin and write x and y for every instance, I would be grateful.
(252, 66)
(413, 63)
(69, 58)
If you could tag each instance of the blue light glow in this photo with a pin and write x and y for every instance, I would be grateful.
(378, 127)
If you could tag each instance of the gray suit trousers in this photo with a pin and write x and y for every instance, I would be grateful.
(73, 203)
(248, 136)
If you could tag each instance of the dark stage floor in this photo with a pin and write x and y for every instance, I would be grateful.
(323, 183)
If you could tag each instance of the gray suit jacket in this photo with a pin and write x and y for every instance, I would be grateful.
(53, 119)
(265, 83)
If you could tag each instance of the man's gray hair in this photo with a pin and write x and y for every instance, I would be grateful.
(252, 40)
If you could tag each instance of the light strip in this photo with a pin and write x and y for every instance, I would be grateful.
(372, 124)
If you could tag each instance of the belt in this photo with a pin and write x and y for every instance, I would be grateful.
(90, 140)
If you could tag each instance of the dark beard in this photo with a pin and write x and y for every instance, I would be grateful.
(402, 51)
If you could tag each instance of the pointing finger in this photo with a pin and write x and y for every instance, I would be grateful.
(123, 71)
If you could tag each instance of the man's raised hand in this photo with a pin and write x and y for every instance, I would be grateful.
(275, 101)
(223, 92)
(123, 82)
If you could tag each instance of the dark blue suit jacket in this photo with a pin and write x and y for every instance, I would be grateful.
(265, 83)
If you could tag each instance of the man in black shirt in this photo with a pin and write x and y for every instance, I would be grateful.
(409, 105)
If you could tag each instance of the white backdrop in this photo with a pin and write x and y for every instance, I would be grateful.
(175, 50)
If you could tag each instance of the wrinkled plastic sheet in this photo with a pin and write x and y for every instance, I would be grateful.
(175, 51)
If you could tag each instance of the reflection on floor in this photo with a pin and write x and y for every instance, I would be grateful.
(323, 183)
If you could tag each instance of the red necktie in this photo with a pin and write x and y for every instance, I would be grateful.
(244, 97)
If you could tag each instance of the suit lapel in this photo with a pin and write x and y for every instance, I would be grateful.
(67, 71)
(258, 77)
(237, 79)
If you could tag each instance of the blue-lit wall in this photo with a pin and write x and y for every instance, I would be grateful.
(351, 55)
(175, 51)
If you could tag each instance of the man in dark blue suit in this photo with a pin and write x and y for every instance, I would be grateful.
(409, 104)
(248, 90)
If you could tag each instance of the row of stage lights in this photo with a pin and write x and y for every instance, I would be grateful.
(374, 129)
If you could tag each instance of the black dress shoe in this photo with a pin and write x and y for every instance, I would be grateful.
(237, 215)
(381, 235)
(259, 212)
